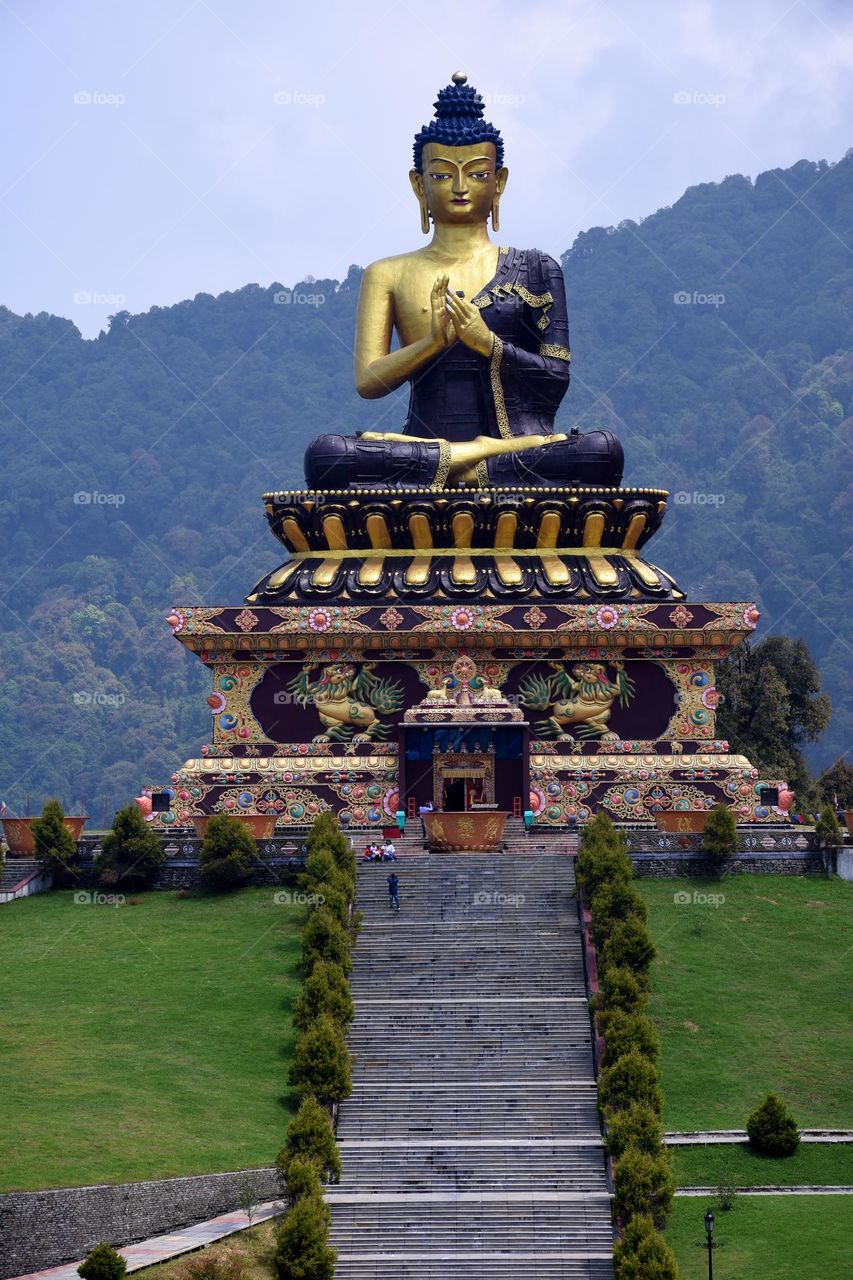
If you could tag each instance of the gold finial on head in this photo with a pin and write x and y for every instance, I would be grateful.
(459, 77)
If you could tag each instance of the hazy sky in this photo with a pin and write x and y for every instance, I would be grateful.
(157, 150)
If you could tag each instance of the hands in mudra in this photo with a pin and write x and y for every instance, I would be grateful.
(454, 318)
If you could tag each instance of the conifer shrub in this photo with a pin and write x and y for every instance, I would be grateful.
(643, 1185)
(631, 1079)
(325, 938)
(227, 854)
(613, 901)
(302, 1250)
(626, 1031)
(636, 1126)
(55, 845)
(131, 853)
(619, 988)
(310, 1136)
(326, 991)
(719, 839)
(321, 1062)
(301, 1179)
(103, 1263)
(642, 1253)
(772, 1129)
(629, 944)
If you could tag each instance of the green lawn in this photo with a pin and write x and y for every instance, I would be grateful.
(814, 1164)
(765, 1238)
(752, 996)
(146, 1040)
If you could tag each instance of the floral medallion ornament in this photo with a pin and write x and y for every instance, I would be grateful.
(319, 619)
(534, 617)
(607, 617)
(751, 616)
(462, 618)
(391, 618)
(680, 617)
(246, 620)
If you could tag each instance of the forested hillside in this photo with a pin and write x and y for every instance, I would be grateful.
(714, 337)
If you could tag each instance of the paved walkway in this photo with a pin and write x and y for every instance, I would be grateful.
(710, 1137)
(769, 1191)
(162, 1248)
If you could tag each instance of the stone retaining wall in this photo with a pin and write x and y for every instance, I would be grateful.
(41, 1229)
(687, 865)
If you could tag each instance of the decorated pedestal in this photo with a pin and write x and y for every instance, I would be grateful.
(469, 652)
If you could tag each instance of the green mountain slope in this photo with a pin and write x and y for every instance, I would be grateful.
(713, 336)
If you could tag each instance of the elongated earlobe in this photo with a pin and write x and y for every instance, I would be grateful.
(496, 222)
(425, 227)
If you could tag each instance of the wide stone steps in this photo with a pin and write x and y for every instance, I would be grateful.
(471, 1141)
(544, 1166)
(474, 1266)
(514, 1110)
(380, 1224)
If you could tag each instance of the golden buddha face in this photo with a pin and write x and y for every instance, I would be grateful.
(459, 184)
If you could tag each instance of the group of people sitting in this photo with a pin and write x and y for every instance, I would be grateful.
(380, 853)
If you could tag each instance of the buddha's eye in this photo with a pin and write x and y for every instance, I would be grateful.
(482, 176)
(439, 177)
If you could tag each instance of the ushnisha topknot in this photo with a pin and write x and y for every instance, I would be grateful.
(458, 121)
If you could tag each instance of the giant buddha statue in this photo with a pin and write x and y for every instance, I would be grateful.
(483, 338)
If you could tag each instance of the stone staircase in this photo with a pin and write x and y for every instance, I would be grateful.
(21, 877)
(471, 1140)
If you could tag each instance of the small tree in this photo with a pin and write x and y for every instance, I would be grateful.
(619, 988)
(302, 1250)
(227, 853)
(55, 845)
(719, 839)
(322, 868)
(637, 1126)
(643, 1254)
(772, 1129)
(827, 829)
(325, 991)
(248, 1194)
(321, 1062)
(643, 1184)
(626, 1031)
(131, 852)
(331, 896)
(632, 1078)
(102, 1263)
(310, 1136)
(630, 945)
(325, 938)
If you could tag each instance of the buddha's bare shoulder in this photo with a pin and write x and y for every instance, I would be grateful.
(399, 265)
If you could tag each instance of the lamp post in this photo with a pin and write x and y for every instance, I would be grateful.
(709, 1234)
